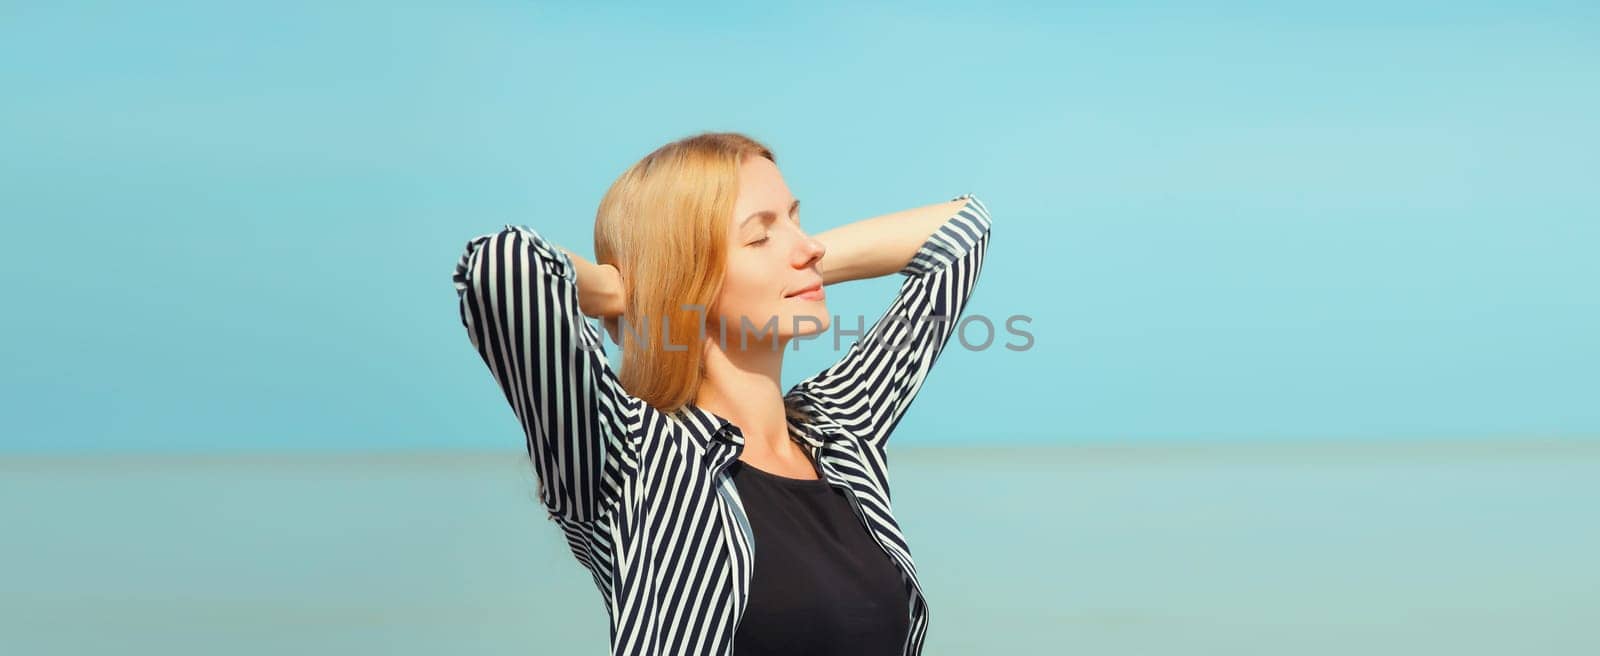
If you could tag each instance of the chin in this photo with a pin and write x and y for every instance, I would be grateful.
(808, 327)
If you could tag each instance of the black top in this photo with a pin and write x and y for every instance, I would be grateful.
(821, 584)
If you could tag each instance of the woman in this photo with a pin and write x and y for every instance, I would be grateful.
(717, 513)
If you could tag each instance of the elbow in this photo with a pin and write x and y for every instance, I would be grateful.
(512, 251)
(978, 214)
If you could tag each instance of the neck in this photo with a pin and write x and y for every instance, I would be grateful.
(743, 386)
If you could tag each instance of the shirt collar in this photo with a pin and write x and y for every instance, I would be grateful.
(707, 426)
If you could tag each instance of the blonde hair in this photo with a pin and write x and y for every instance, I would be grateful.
(664, 224)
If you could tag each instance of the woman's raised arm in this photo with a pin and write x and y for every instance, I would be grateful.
(940, 250)
(523, 308)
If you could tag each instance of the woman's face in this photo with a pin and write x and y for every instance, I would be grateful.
(770, 261)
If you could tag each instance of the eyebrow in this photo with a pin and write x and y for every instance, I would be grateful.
(768, 214)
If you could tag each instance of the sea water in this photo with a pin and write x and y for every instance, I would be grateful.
(1350, 548)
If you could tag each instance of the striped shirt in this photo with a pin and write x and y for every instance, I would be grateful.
(643, 496)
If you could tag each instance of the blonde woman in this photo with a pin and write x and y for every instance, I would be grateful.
(717, 512)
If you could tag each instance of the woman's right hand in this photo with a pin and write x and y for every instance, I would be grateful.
(615, 303)
(602, 292)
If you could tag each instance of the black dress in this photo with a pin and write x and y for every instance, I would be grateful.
(821, 584)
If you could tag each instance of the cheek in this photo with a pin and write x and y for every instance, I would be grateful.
(755, 297)
(728, 302)
(744, 292)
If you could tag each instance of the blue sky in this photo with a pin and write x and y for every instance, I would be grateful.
(231, 227)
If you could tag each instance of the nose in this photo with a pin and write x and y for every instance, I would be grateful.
(811, 250)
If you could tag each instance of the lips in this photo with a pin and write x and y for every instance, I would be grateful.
(810, 288)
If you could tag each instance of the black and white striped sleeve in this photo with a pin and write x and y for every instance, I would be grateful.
(868, 390)
(519, 303)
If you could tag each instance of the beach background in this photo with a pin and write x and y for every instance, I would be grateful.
(1311, 297)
